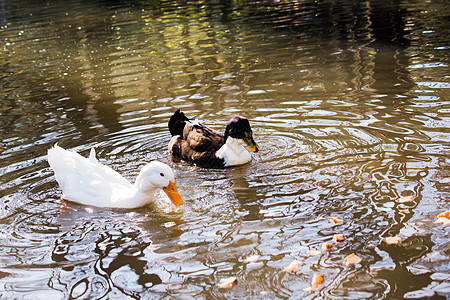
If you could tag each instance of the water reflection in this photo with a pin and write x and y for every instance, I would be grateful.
(98, 256)
(347, 101)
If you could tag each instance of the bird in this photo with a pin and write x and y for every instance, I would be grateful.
(86, 181)
(208, 148)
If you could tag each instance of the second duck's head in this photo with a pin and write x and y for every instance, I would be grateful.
(239, 128)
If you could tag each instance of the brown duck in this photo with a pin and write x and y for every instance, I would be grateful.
(206, 147)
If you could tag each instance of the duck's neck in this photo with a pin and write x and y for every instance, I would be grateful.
(143, 192)
(233, 153)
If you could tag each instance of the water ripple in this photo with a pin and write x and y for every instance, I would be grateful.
(350, 114)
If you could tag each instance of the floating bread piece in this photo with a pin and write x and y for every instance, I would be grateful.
(170, 224)
(352, 259)
(444, 221)
(292, 266)
(338, 239)
(316, 282)
(443, 218)
(336, 220)
(313, 252)
(406, 199)
(251, 258)
(445, 214)
(393, 240)
(227, 283)
(326, 246)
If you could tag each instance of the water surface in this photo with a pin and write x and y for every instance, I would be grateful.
(348, 102)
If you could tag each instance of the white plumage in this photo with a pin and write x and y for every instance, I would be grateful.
(87, 181)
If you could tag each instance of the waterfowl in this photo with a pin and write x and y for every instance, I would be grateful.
(86, 181)
(206, 147)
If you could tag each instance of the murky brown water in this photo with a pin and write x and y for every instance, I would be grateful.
(348, 101)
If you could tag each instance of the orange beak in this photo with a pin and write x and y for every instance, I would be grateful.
(172, 193)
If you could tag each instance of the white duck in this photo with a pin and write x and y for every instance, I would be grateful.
(87, 181)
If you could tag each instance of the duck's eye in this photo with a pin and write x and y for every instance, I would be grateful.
(162, 175)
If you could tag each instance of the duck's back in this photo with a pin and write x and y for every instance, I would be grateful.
(85, 180)
(198, 144)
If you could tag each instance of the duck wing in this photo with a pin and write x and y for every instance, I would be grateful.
(198, 144)
(202, 138)
(85, 180)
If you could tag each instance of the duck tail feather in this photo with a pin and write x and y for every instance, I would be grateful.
(177, 122)
(92, 156)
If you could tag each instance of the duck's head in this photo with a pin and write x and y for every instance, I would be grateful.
(159, 175)
(239, 128)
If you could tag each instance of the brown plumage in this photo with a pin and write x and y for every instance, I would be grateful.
(196, 143)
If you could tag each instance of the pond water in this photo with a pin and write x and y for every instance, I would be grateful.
(349, 102)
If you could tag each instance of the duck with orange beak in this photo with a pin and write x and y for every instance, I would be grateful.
(86, 181)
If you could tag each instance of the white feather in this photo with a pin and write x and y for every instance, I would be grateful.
(87, 181)
(233, 153)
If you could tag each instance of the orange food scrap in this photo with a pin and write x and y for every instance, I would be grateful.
(251, 258)
(227, 283)
(393, 240)
(338, 239)
(352, 259)
(292, 266)
(336, 220)
(445, 214)
(316, 282)
(443, 218)
(313, 252)
(406, 199)
(326, 246)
